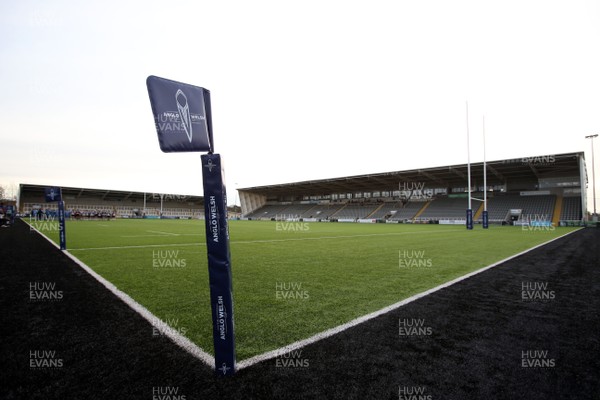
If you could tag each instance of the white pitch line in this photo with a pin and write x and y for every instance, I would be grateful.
(144, 246)
(178, 234)
(340, 328)
(342, 236)
(263, 241)
(156, 322)
(142, 236)
(164, 233)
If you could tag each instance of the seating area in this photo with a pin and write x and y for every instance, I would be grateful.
(445, 208)
(356, 211)
(539, 206)
(299, 210)
(84, 210)
(95, 208)
(442, 208)
(499, 206)
(323, 211)
(571, 209)
(407, 212)
(268, 211)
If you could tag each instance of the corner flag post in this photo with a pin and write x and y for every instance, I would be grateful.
(219, 262)
(182, 114)
(469, 209)
(61, 224)
(485, 221)
(55, 194)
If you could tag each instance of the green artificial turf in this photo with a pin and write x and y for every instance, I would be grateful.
(291, 280)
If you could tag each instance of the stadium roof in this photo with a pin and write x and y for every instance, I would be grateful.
(105, 194)
(498, 172)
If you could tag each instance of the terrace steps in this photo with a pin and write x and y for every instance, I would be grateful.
(557, 210)
(422, 210)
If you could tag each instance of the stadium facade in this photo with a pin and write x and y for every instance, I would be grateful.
(547, 187)
(542, 188)
(99, 203)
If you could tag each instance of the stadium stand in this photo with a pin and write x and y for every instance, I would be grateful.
(275, 211)
(571, 210)
(324, 211)
(444, 208)
(269, 211)
(545, 188)
(83, 203)
(387, 210)
(535, 186)
(407, 212)
(355, 211)
(541, 207)
(299, 210)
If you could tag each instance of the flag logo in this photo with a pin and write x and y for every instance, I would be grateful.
(184, 113)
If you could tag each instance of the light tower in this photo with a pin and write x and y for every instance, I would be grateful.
(593, 171)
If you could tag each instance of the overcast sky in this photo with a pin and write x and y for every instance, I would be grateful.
(300, 90)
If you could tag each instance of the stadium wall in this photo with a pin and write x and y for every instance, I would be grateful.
(557, 176)
(120, 204)
(251, 201)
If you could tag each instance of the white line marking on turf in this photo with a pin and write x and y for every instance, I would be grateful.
(263, 240)
(164, 233)
(156, 322)
(141, 236)
(144, 246)
(343, 236)
(333, 331)
(175, 234)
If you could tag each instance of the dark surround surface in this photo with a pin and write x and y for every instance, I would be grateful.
(475, 334)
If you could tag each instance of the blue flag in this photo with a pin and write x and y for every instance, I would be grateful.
(182, 115)
(52, 194)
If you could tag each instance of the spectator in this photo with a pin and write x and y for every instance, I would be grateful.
(3, 219)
